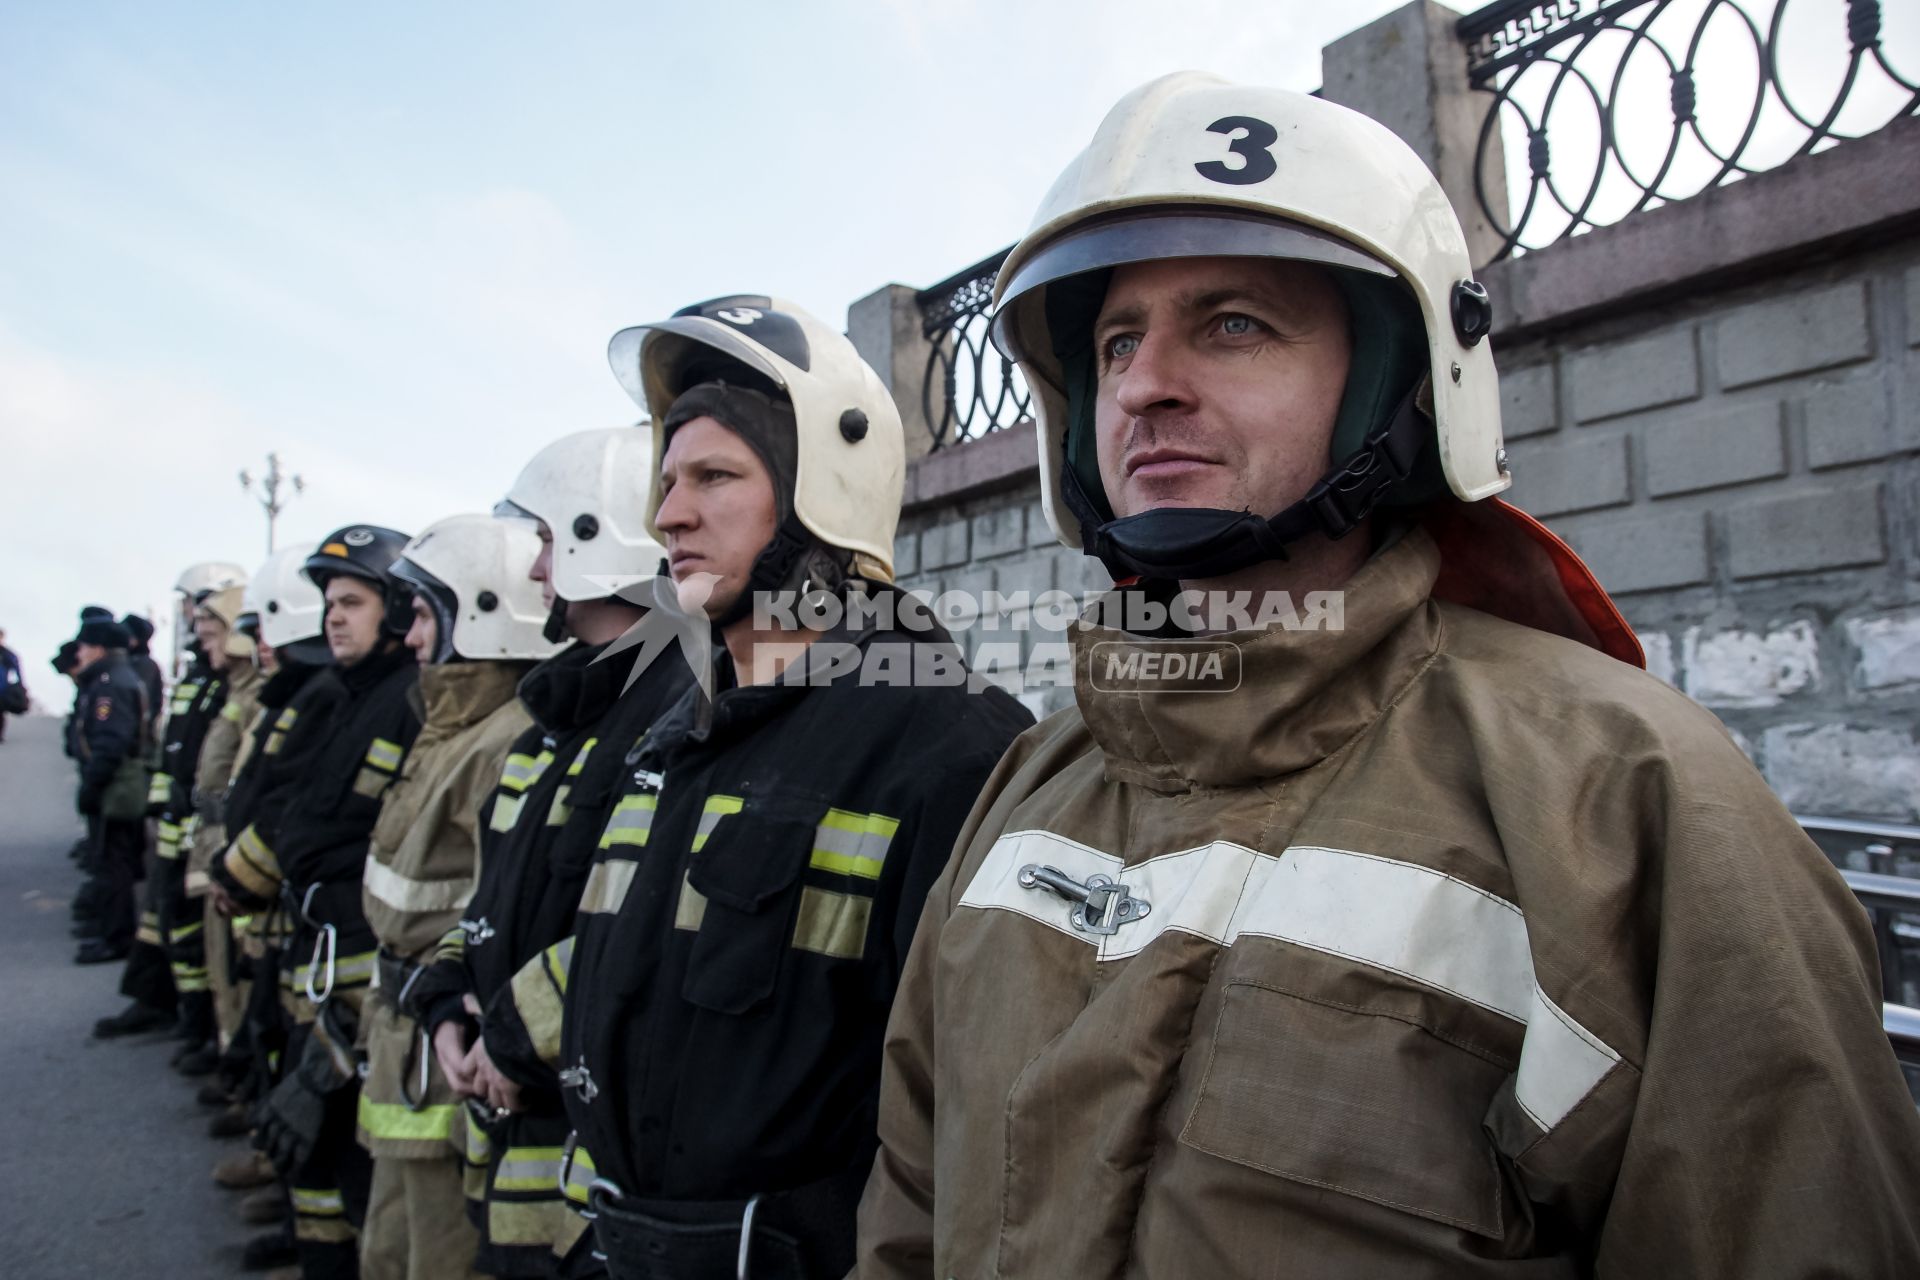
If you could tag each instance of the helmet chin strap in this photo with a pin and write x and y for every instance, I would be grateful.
(556, 628)
(793, 560)
(1186, 543)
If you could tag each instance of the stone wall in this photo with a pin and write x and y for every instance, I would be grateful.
(1716, 402)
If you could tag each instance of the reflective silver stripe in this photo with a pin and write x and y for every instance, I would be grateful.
(404, 893)
(506, 812)
(529, 1169)
(522, 771)
(716, 808)
(632, 819)
(853, 844)
(607, 885)
(1383, 912)
(580, 757)
(384, 755)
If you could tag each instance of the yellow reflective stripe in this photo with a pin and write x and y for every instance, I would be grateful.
(149, 929)
(530, 1169)
(382, 754)
(581, 1176)
(231, 711)
(167, 842)
(475, 1146)
(253, 864)
(832, 924)
(607, 885)
(522, 771)
(630, 822)
(348, 971)
(853, 844)
(322, 1202)
(538, 997)
(691, 909)
(529, 1223)
(558, 812)
(506, 812)
(716, 808)
(278, 738)
(159, 788)
(394, 1122)
(580, 757)
(184, 932)
(559, 962)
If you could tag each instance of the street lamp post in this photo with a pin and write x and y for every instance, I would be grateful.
(269, 486)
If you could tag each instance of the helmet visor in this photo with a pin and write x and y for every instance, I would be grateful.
(1155, 235)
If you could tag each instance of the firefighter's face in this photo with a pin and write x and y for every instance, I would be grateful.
(354, 613)
(717, 512)
(542, 570)
(1219, 382)
(212, 635)
(423, 637)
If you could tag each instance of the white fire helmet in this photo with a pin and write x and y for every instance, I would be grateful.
(209, 575)
(851, 465)
(590, 490)
(1191, 165)
(472, 571)
(289, 609)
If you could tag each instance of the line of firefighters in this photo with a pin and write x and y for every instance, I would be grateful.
(557, 918)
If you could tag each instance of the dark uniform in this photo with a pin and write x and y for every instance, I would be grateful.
(108, 739)
(539, 828)
(178, 965)
(739, 941)
(316, 846)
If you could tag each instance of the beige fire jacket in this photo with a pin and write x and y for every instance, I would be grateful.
(220, 759)
(1467, 951)
(421, 869)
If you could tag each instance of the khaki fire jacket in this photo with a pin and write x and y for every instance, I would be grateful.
(420, 874)
(1454, 949)
(221, 754)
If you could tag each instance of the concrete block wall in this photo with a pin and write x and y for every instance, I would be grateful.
(1742, 471)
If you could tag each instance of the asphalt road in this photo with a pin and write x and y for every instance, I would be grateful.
(104, 1154)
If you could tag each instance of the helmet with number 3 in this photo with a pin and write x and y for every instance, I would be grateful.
(1193, 166)
(851, 463)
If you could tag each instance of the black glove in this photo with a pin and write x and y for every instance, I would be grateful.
(288, 1121)
(89, 800)
(286, 1125)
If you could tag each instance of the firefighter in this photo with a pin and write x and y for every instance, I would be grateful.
(297, 699)
(310, 850)
(725, 994)
(107, 737)
(225, 627)
(1451, 943)
(587, 493)
(477, 629)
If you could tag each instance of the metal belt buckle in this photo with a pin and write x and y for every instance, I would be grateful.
(1101, 905)
(578, 1077)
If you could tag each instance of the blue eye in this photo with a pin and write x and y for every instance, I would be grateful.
(1119, 348)
(1236, 326)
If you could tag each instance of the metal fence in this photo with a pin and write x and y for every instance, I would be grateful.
(969, 388)
(1623, 105)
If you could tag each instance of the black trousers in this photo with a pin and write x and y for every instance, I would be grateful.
(147, 977)
(114, 867)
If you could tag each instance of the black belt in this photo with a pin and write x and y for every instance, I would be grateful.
(397, 974)
(803, 1234)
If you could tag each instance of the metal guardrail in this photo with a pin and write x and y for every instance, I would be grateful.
(969, 388)
(1585, 82)
(1893, 903)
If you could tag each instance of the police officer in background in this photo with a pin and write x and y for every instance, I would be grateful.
(587, 494)
(477, 630)
(108, 739)
(140, 657)
(760, 876)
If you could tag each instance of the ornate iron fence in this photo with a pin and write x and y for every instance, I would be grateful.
(969, 388)
(1578, 85)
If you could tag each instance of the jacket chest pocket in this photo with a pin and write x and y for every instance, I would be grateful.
(1369, 1104)
(740, 895)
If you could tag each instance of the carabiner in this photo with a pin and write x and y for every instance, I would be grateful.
(328, 941)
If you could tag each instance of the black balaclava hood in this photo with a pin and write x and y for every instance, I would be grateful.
(1388, 360)
(795, 560)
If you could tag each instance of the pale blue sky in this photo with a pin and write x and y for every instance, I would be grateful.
(391, 241)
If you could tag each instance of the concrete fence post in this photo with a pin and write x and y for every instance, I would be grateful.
(885, 328)
(1408, 70)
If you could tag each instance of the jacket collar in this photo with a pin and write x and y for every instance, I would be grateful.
(375, 667)
(572, 688)
(454, 695)
(1301, 695)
